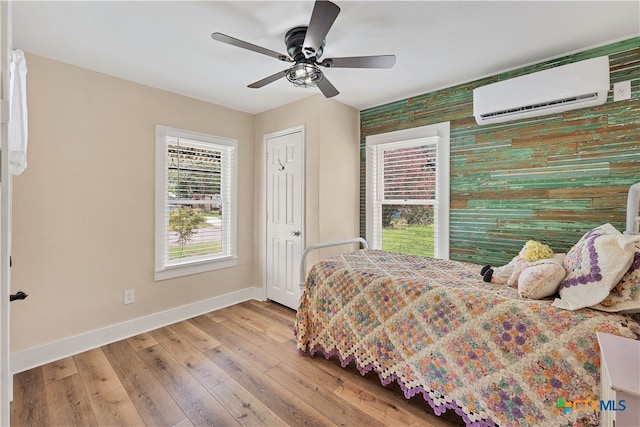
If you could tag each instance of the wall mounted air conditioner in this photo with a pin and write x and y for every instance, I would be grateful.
(567, 87)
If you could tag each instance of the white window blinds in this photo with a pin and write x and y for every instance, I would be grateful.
(408, 173)
(196, 212)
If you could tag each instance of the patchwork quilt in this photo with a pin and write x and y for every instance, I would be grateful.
(437, 329)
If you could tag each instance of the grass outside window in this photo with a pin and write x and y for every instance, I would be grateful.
(410, 239)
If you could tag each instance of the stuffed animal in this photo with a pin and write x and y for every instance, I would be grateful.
(531, 252)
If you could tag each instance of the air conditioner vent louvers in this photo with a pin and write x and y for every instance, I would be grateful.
(541, 106)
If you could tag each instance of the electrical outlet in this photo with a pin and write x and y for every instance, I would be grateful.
(622, 91)
(129, 296)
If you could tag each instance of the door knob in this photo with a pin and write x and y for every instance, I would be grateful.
(296, 233)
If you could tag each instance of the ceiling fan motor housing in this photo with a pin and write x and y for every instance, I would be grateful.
(294, 39)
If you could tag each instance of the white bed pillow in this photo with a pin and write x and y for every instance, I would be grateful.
(625, 296)
(594, 266)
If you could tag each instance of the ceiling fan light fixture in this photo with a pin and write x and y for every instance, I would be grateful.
(304, 74)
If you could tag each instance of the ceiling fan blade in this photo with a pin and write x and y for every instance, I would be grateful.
(272, 78)
(246, 45)
(322, 18)
(327, 89)
(379, 61)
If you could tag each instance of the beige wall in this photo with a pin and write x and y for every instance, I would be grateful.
(338, 199)
(332, 179)
(83, 221)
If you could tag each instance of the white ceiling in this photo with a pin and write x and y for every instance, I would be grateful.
(167, 44)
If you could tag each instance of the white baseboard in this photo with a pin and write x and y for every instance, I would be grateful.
(46, 353)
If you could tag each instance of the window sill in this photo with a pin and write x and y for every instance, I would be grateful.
(194, 268)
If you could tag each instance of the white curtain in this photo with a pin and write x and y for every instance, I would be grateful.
(17, 112)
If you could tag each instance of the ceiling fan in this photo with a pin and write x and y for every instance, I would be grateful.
(305, 46)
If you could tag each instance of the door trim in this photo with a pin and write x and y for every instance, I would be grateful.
(6, 378)
(265, 181)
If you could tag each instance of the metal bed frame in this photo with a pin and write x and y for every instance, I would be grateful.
(310, 248)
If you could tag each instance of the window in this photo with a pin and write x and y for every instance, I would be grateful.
(408, 191)
(195, 203)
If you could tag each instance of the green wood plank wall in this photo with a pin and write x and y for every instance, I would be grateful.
(549, 178)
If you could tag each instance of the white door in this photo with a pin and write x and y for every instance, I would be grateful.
(285, 215)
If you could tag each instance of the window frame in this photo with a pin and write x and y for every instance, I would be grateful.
(162, 270)
(405, 138)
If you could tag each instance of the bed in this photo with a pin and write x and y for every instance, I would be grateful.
(438, 330)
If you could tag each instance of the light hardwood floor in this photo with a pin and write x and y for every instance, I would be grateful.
(234, 366)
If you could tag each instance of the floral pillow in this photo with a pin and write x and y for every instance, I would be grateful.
(594, 266)
(625, 296)
(541, 278)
